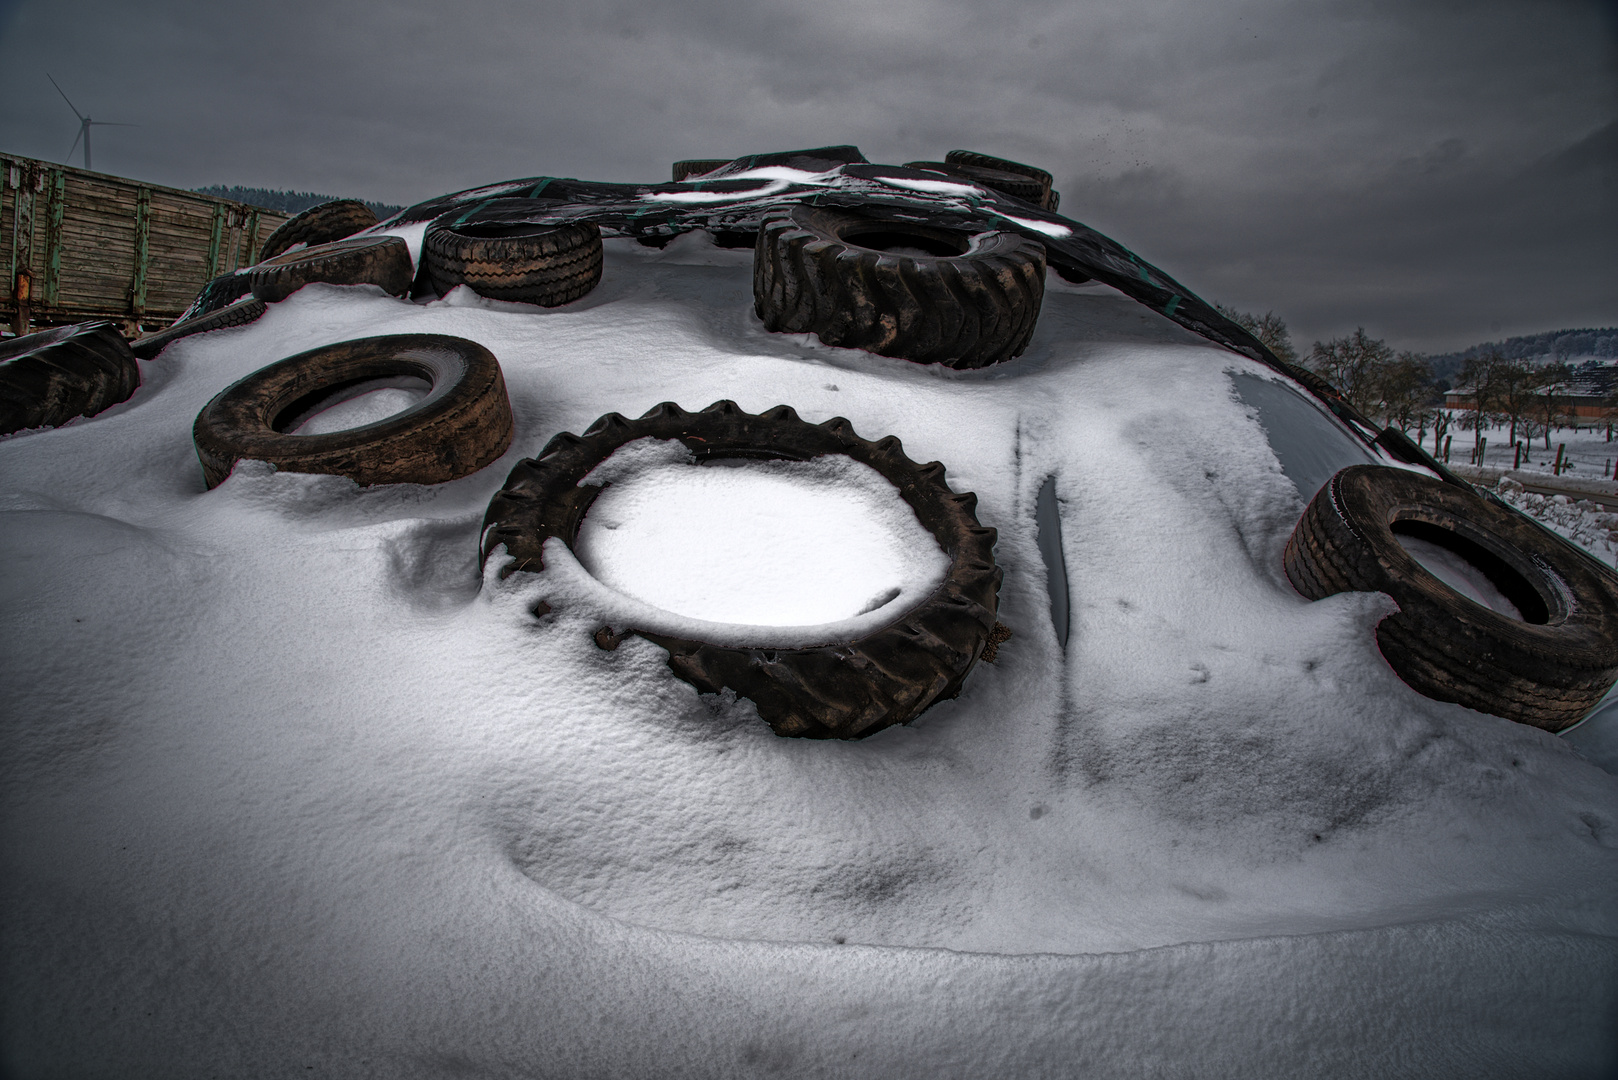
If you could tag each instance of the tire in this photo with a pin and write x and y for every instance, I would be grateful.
(975, 160)
(238, 314)
(1547, 671)
(696, 167)
(844, 689)
(319, 225)
(221, 292)
(49, 378)
(462, 424)
(972, 304)
(369, 260)
(1006, 183)
(548, 265)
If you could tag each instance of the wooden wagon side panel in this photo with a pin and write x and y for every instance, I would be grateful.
(105, 247)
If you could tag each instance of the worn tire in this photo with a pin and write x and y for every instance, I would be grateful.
(369, 260)
(462, 424)
(1006, 183)
(319, 225)
(1548, 671)
(684, 170)
(972, 304)
(221, 292)
(548, 265)
(49, 378)
(973, 159)
(842, 689)
(238, 314)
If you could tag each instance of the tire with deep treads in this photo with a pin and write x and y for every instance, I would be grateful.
(840, 689)
(548, 265)
(383, 261)
(49, 378)
(462, 424)
(319, 225)
(239, 313)
(971, 302)
(1547, 670)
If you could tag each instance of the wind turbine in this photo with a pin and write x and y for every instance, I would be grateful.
(85, 123)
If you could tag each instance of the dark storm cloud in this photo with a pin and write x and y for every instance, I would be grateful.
(1430, 169)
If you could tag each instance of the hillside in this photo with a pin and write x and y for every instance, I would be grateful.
(1551, 345)
(287, 202)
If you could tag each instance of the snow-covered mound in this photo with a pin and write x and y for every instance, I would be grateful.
(292, 788)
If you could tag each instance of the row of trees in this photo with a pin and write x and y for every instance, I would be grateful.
(1398, 388)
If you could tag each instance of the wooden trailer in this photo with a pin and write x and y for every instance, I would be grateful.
(82, 245)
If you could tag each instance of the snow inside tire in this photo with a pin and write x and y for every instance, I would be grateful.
(461, 425)
(1548, 668)
(839, 689)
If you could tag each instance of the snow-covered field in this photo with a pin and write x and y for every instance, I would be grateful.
(291, 789)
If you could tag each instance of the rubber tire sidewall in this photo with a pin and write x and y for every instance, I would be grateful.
(463, 423)
(1442, 644)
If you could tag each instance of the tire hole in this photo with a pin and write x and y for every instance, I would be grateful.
(1472, 570)
(351, 404)
(937, 245)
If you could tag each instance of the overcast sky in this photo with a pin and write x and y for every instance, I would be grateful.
(1440, 171)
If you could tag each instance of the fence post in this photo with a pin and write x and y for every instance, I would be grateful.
(143, 243)
(1556, 469)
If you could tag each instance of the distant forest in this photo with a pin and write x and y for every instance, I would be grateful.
(286, 202)
(1554, 345)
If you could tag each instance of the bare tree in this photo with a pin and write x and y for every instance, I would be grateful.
(1403, 386)
(1269, 328)
(1352, 365)
(1550, 381)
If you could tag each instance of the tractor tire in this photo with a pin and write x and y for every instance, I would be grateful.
(970, 302)
(1547, 670)
(368, 260)
(319, 225)
(841, 689)
(462, 424)
(49, 378)
(238, 314)
(548, 265)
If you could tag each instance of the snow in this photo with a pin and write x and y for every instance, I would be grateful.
(1049, 228)
(766, 543)
(291, 787)
(1459, 574)
(369, 403)
(933, 187)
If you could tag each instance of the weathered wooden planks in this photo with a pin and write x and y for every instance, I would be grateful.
(105, 247)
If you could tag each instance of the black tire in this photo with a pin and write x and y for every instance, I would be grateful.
(972, 304)
(368, 260)
(973, 159)
(548, 265)
(1548, 670)
(221, 292)
(1013, 184)
(319, 225)
(238, 314)
(696, 167)
(844, 689)
(462, 424)
(48, 378)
